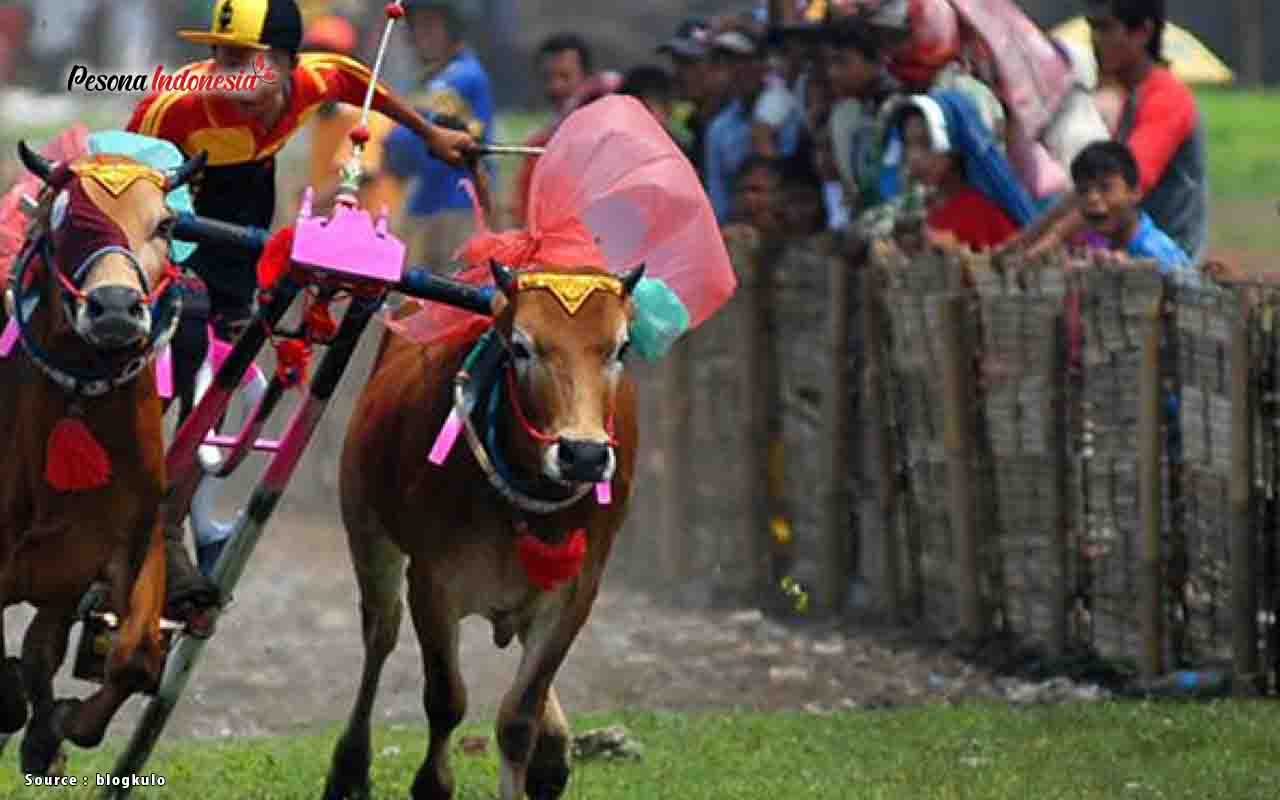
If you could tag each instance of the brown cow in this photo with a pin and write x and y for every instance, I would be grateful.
(571, 425)
(97, 255)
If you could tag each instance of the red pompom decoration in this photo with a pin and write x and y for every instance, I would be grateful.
(359, 135)
(320, 323)
(395, 11)
(549, 565)
(293, 356)
(275, 258)
(74, 460)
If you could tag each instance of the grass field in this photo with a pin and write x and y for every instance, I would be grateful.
(1215, 751)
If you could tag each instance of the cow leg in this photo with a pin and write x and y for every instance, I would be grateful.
(137, 656)
(379, 569)
(13, 696)
(444, 695)
(43, 648)
(549, 766)
(520, 719)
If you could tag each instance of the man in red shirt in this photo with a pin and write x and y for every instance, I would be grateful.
(1160, 124)
(242, 133)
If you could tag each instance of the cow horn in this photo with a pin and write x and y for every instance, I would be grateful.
(503, 277)
(181, 174)
(40, 166)
(632, 278)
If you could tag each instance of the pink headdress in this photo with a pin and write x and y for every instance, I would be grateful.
(612, 190)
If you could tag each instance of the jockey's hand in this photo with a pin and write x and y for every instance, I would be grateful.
(453, 147)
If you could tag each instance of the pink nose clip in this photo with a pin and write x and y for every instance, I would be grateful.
(604, 493)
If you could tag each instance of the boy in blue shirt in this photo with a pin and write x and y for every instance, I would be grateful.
(437, 213)
(1106, 180)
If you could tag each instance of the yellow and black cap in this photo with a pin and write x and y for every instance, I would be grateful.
(256, 24)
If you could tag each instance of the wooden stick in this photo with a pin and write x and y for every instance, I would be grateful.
(1150, 588)
(509, 150)
(837, 544)
(1056, 438)
(957, 376)
(1244, 546)
(877, 378)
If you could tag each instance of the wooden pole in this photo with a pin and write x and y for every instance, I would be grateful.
(837, 544)
(1244, 549)
(1150, 607)
(958, 394)
(673, 535)
(877, 377)
(1056, 438)
(1253, 43)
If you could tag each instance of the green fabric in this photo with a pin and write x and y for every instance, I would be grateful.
(660, 319)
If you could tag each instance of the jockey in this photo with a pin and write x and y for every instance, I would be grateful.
(242, 132)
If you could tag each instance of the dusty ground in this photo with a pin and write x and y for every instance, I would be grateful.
(287, 655)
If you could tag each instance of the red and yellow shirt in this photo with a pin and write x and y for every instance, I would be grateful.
(238, 185)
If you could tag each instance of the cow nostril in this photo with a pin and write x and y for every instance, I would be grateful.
(137, 310)
(565, 453)
(96, 309)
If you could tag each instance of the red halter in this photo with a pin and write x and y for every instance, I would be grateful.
(542, 436)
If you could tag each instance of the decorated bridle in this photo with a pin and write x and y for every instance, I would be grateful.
(104, 236)
(572, 290)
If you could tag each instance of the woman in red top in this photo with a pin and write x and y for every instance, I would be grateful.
(958, 212)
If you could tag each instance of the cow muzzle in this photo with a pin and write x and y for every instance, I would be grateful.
(113, 317)
(579, 461)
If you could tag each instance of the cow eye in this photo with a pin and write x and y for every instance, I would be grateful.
(623, 351)
(520, 351)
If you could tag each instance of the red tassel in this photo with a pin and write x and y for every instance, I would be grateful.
(320, 323)
(550, 564)
(275, 258)
(74, 460)
(293, 356)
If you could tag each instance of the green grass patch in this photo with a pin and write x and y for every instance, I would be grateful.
(1243, 161)
(974, 751)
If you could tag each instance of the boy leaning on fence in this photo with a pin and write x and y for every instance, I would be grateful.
(1107, 184)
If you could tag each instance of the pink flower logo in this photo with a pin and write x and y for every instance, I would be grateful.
(264, 71)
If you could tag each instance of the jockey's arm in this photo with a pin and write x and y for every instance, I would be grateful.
(347, 80)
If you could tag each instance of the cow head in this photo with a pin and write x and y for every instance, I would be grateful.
(109, 231)
(567, 333)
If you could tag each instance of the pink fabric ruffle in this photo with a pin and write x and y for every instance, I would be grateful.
(612, 190)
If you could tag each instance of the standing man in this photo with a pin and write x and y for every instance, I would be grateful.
(437, 218)
(690, 51)
(1160, 123)
(242, 132)
(564, 61)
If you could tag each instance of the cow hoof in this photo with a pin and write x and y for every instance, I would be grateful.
(546, 781)
(338, 787)
(13, 697)
(41, 753)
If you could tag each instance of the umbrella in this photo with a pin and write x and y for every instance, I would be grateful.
(1190, 59)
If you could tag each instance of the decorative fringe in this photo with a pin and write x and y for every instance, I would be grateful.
(74, 460)
(549, 565)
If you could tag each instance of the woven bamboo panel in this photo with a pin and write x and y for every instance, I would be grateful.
(1116, 305)
(799, 311)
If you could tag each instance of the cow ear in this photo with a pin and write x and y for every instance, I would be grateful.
(503, 277)
(631, 279)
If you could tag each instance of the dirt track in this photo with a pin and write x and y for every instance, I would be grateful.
(287, 655)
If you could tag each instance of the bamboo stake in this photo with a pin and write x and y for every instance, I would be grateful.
(1244, 549)
(1150, 607)
(1055, 431)
(873, 320)
(957, 376)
